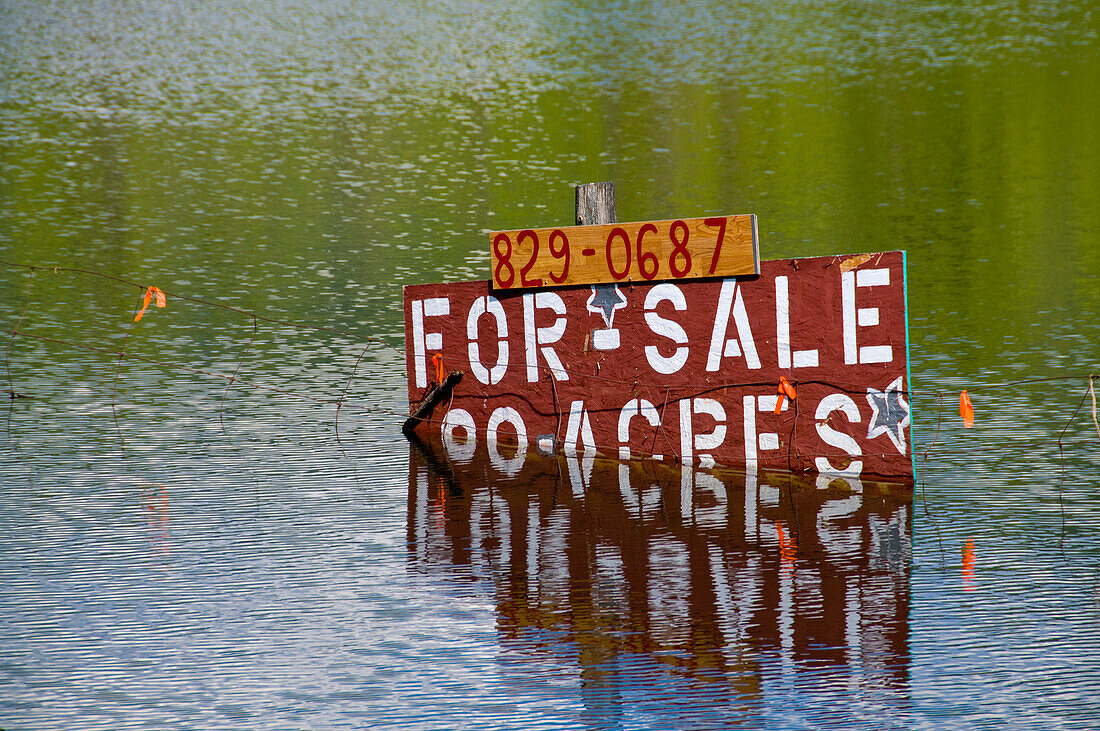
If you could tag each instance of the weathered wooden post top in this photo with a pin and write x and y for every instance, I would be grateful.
(666, 339)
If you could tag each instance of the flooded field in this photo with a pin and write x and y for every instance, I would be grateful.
(210, 518)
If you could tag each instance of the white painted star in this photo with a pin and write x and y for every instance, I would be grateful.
(889, 414)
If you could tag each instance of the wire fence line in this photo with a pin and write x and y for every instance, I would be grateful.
(121, 353)
(675, 392)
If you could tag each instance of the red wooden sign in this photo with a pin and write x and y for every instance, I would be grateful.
(804, 367)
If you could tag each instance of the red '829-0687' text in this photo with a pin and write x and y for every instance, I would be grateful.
(648, 251)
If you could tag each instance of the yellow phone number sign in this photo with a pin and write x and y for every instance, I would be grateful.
(647, 251)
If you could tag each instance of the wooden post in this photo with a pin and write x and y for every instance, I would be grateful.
(595, 203)
(598, 250)
(424, 409)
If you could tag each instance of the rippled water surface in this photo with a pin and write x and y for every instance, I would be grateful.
(210, 519)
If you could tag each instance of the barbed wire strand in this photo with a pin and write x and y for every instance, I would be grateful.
(15, 330)
(121, 353)
(221, 402)
(510, 363)
(213, 374)
(12, 395)
(114, 382)
(690, 388)
(197, 300)
(1092, 392)
(924, 478)
(1062, 459)
(340, 402)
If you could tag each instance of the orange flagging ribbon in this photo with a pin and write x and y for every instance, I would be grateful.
(785, 390)
(966, 411)
(968, 565)
(438, 360)
(150, 293)
(788, 551)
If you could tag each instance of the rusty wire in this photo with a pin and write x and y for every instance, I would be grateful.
(221, 402)
(121, 353)
(204, 372)
(1062, 457)
(301, 326)
(673, 393)
(15, 330)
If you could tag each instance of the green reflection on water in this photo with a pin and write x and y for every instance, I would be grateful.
(307, 161)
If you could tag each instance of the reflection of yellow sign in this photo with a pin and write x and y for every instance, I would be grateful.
(721, 246)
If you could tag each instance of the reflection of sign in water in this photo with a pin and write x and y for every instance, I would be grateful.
(154, 501)
(748, 578)
(686, 370)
